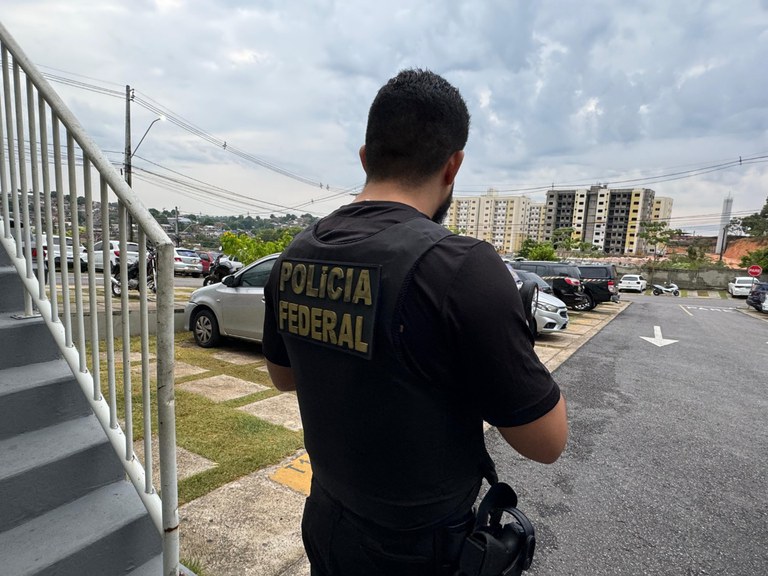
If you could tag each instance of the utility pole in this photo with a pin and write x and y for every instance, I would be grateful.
(128, 154)
(178, 240)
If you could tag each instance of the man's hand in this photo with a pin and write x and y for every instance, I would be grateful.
(282, 377)
(542, 440)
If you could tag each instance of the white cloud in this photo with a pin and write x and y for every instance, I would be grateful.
(559, 92)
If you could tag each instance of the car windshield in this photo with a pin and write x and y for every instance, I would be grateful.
(189, 253)
(630, 279)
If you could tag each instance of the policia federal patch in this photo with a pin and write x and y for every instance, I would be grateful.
(329, 303)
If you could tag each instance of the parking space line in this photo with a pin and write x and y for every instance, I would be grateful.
(684, 310)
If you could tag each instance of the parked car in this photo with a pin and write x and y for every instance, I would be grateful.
(633, 282)
(114, 254)
(206, 259)
(53, 243)
(564, 278)
(234, 260)
(540, 282)
(741, 285)
(551, 314)
(233, 307)
(186, 261)
(758, 297)
(600, 283)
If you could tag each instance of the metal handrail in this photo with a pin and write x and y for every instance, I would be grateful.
(36, 159)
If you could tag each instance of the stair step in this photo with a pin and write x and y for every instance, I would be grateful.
(49, 467)
(106, 532)
(11, 290)
(152, 568)
(38, 395)
(25, 341)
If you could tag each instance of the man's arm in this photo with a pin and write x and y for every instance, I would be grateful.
(282, 377)
(542, 440)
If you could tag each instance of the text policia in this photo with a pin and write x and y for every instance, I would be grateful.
(329, 303)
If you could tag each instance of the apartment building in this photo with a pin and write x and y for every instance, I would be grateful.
(609, 219)
(534, 222)
(502, 221)
(662, 209)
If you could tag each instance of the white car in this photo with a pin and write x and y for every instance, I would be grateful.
(52, 243)
(233, 307)
(633, 282)
(741, 286)
(114, 253)
(234, 260)
(551, 314)
(186, 261)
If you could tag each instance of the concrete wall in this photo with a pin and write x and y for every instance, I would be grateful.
(134, 323)
(701, 279)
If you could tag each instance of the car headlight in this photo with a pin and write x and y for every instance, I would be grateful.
(547, 307)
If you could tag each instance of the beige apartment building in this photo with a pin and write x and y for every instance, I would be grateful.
(609, 219)
(502, 221)
(662, 209)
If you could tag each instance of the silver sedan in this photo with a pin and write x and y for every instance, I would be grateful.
(231, 308)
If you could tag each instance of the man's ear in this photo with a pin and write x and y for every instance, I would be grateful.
(362, 158)
(452, 167)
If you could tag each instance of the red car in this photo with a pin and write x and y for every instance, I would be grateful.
(206, 259)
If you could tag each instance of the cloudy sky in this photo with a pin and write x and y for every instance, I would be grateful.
(655, 93)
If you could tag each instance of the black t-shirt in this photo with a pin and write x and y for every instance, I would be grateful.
(462, 323)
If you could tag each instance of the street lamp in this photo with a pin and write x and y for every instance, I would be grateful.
(128, 167)
(130, 154)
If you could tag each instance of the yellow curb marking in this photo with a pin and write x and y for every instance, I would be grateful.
(297, 474)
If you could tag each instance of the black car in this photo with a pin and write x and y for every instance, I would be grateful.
(601, 283)
(758, 297)
(564, 278)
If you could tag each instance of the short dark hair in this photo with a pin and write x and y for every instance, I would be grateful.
(417, 120)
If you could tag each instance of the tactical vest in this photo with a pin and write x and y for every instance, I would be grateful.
(389, 445)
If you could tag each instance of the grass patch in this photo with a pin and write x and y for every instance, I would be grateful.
(237, 442)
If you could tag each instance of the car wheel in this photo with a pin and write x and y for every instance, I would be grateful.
(586, 305)
(206, 329)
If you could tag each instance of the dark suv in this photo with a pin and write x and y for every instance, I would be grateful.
(601, 283)
(758, 297)
(564, 278)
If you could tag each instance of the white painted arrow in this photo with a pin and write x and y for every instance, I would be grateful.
(657, 339)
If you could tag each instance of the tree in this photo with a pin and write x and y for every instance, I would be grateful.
(543, 251)
(759, 257)
(563, 241)
(526, 247)
(657, 233)
(753, 225)
(248, 249)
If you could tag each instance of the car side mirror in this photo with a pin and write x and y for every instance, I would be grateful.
(228, 281)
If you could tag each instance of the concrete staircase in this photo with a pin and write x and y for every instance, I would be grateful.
(65, 506)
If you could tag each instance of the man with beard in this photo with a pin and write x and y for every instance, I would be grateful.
(400, 338)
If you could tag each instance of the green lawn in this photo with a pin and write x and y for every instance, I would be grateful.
(237, 442)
